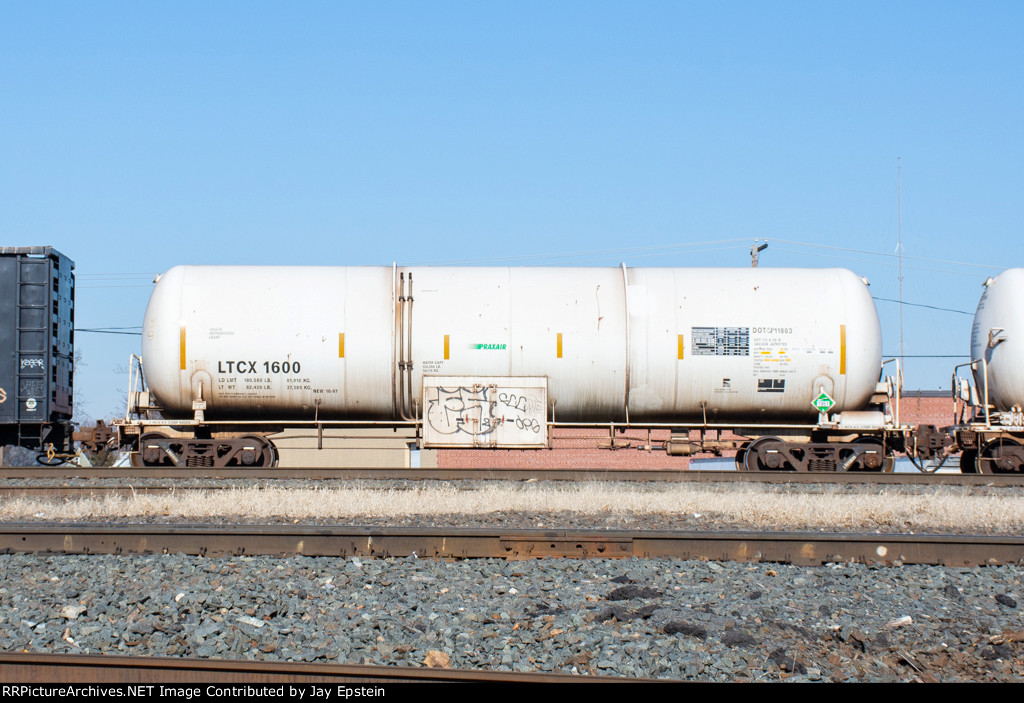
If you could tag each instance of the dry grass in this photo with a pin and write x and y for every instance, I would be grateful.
(757, 507)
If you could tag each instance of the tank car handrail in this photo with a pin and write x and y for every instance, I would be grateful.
(984, 375)
(292, 422)
(136, 384)
(954, 393)
(808, 426)
(897, 388)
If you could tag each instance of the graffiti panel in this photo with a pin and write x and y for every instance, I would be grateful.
(488, 411)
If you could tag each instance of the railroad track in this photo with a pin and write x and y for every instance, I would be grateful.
(83, 669)
(801, 548)
(954, 479)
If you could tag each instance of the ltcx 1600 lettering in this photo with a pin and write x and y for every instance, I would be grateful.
(244, 366)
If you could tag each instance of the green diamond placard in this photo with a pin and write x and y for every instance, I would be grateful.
(823, 403)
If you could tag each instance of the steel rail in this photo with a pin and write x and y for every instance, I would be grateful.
(575, 475)
(31, 668)
(801, 548)
(84, 492)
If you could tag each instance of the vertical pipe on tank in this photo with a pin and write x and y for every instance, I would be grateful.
(984, 375)
(401, 347)
(408, 358)
(625, 307)
(394, 338)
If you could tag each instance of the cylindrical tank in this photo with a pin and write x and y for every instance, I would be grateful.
(659, 344)
(998, 321)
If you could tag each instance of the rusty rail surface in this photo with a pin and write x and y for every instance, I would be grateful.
(82, 492)
(28, 668)
(803, 548)
(956, 479)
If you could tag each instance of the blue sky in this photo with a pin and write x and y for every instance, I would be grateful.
(138, 136)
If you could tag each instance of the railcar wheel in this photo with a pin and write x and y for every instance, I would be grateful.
(756, 458)
(741, 455)
(264, 453)
(1001, 456)
(969, 461)
(878, 459)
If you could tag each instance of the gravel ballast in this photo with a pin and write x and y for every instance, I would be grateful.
(656, 618)
(637, 618)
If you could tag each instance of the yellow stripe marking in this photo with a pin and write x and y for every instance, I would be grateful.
(446, 346)
(680, 345)
(558, 346)
(341, 345)
(181, 340)
(842, 350)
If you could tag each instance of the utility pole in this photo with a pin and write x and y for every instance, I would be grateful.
(755, 250)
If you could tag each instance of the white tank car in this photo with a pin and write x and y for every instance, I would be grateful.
(998, 337)
(659, 344)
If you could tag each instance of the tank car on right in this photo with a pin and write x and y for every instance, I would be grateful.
(989, 427)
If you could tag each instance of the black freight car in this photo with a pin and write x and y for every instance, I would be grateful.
(37, 320)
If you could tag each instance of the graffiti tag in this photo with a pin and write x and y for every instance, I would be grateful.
(457, 415)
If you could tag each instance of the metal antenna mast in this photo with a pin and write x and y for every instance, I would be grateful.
(899, 244)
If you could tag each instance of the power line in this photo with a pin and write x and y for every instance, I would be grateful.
(922, 305)
(116, 274)
(931, 356)
(641, 256)
(874, 262)
(655, 250)
(891, 256)
(138, 285)
(845, 259)
(109, 330)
